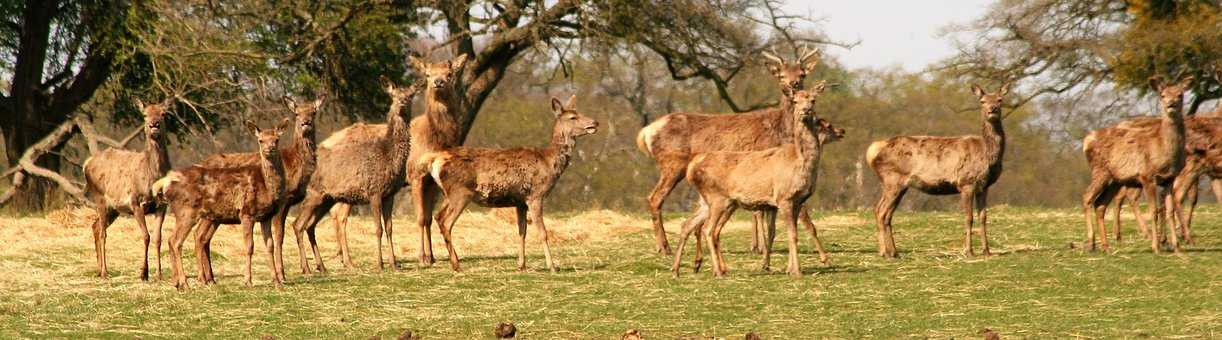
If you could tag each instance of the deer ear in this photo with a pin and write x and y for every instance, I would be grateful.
(571, 104)
(1187, 81)
(416, 63)
(820, 86)
(288, 101)
(458, 62)
(284, 125)
(318, 102)
(1005, 88)
(1156, 83)
(252, 127)
(139, 104)
(557, 107)
(976, 90)
(387, 85)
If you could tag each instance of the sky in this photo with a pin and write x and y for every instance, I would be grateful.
(900, 33)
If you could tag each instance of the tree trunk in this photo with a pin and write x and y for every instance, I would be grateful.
(36, 193)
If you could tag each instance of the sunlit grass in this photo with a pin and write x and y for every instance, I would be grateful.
(611, 281)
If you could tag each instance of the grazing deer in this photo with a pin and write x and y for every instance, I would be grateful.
(1125, 156)
(674, 139)
(210, 196)
(965, 165)
(119, 181)
(517, 177)
(777, 180)
(825, 134)
(359, 165)
(437, 130)
(298, 160)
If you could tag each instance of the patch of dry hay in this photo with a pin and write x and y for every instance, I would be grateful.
(73, 217)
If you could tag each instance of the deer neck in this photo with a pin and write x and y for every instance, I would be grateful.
(1173, 129)
(439, 104)
(273, 174)
(156, 156)
(994, 140)
(806, 143)
(560, 151)
(306, 151)
(397, 134)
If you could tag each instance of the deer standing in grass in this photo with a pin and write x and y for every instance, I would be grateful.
(1126, 156)
(120, 181)
(965, 165)
(298, 160)
(238, 194)
(359, 165)
(674, 139)
(517, 177)
(437, 130)
(776, 180)
(826, 134)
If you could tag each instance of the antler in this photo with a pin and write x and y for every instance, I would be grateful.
(806, 54)
(774, 58)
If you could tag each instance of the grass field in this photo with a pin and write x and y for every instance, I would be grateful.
(611, 281)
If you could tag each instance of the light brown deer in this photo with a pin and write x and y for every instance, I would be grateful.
(1124, 156)
(120, 180)
(517, 177)
(826, 134)
(298, 160)
(437, 130)
(211, 196)
(965, 165)
(776, 180)
(367, 168)
(674, 139)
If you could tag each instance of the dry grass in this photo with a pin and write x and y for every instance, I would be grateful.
(610, 281)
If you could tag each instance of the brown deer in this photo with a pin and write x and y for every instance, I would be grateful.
(517, 177)
(825, 134)
(965, 165)
(776, 180)
(120, 180)
(437, 130)
(674, 139)
(298, 160)
(210, 196)
(1125, 156)
(369, 170)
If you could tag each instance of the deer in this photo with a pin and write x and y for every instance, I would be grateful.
(674, 139)
(235, 194)
(939, 165)
(361, 164)
(437, 130)
(777, 180)
(298, 159)
(518, 177)
(119, 181)
(1147, 158)
(826, 134)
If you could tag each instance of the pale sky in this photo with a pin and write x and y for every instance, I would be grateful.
(892, 32)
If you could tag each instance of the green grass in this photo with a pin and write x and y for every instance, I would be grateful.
(611, 281)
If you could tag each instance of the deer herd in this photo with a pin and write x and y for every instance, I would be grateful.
(763, 161)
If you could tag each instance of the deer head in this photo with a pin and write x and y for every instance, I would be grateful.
(570, 122)
(804, 102)
(1171, 97)
(790, 76)
(303, 113)
(154, 116)
(990, 103)
(268, 139)
(827, 132)
(399, 96)
(439, 74)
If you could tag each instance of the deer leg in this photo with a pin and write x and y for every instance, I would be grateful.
(423, 197)
(1192, 195)
(105, 217)
(311, 232)
(982, 200)
(883, 211)
(769, 226)
(309, 211)
(1148, 187)
(693, 224)
(967, 202)
(756, 231)
(248, 232)
(159, 219)
(182, 227)
(789, 213)
(1090, 199)
(208, 250)
(454, 205)
(536, 213)
(202, 251)
(1101, 206)
(714, 239)
(266, 230)
(669, 176)
(1174, 217)
(521, 213)
(388, 210)
(804, 217)
(1120, 200)
(339, 219)
(275, 243)
(138, 215)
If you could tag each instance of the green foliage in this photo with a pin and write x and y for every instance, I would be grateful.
(1171, 38)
